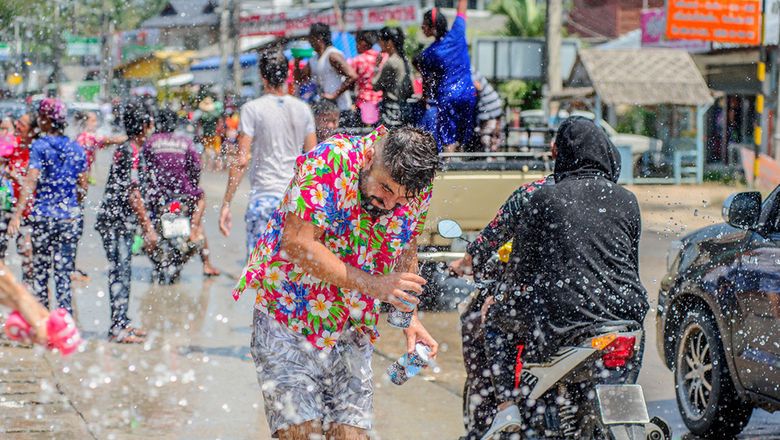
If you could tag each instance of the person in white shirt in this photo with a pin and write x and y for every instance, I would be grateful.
(329, 70)
(273, 131)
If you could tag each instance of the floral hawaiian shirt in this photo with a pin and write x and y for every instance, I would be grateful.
(325, 191)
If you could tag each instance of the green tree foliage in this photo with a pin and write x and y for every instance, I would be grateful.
(525, 18)
(78, 17)
(9, 10)
(524, 94)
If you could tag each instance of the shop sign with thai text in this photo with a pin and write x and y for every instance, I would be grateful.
(654, 33)
(727, 21)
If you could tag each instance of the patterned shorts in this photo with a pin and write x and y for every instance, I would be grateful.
(301, 383)
(258, 211)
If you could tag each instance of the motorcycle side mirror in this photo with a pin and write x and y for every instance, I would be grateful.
(449, 229)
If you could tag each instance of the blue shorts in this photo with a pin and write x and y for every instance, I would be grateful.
(455, 119)
(258, 211)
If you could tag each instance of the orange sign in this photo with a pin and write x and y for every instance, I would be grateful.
(726, 21)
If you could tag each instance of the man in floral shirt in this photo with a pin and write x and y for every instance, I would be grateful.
(342, 240)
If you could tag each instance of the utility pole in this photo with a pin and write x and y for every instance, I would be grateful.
(235, 6)
(223, 47)
(57, 47)
(761, 76)
(776, 144)
(552, 53)
(105, 55)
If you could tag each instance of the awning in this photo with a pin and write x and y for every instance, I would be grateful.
(641, 77)
(245, 44)
(155, 65)
(176, 80)
(246, 60)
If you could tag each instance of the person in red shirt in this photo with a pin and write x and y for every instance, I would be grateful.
(90, 141)
(365, 64)
(26, 132)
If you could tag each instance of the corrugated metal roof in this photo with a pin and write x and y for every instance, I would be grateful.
(181, 13)
(644, 76)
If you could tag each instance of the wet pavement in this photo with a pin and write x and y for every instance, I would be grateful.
(193, 378)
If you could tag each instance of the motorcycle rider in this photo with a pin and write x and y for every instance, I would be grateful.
(480, 407)
(174, 169)
(574, 263)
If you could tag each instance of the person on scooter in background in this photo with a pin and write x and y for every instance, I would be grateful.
(174, 168)
(574, 263)
(120, 211)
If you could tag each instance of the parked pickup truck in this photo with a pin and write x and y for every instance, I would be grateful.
(472, 191)
(469, 190)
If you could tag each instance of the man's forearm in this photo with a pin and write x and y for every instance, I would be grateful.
(30, 182)
(314, 258)
(137, 205)
(235, 175)
(346, 85)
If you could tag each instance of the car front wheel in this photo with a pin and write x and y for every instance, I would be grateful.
(708, 402)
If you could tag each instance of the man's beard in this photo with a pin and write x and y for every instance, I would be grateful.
(372, 210)
(365, 201)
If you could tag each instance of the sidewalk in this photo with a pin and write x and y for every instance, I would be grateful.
(33, 406)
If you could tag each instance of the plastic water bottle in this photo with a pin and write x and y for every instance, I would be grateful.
(409, 364)
(61, 328)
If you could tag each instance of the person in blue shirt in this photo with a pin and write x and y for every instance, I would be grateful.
(446, 69)
(58, 176)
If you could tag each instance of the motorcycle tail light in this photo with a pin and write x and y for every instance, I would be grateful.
(174, 207)
(619, 351)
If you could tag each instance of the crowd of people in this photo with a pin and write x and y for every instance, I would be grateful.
(456, 104)
(332, 221)
(45, 178)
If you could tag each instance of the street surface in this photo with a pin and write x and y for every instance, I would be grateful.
(193, 379)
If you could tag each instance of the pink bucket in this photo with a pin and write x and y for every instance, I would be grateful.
(369, 112)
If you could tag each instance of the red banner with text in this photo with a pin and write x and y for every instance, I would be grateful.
(296, 22)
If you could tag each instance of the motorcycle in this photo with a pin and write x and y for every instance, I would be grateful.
(172, 223)
(584, 391)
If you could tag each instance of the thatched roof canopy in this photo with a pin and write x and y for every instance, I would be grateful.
(641, 77)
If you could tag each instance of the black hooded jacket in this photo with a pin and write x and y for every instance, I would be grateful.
(575, 261)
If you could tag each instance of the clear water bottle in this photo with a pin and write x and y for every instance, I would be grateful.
(409, 364)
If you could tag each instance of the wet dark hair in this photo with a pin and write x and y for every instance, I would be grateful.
(136, 115)
(323, 106)
(411, 156)
(80, 117)
(321, 30)
(368, 37)
(396, 36)
(165, 122)
(274, 67)
(34, 129)
(439, 26)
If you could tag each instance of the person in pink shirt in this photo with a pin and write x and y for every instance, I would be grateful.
(90, 141)
(367, 100)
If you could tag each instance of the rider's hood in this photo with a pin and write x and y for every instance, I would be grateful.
(584, 150)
